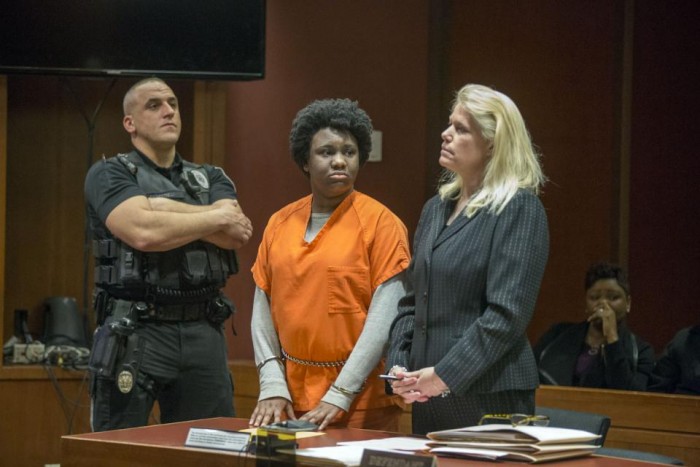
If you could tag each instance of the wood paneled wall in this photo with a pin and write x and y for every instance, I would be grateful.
(573, 112)
(37, 407)
(3, 184)
(560, 61)
(568, 68)
(381, 61)
(50, 146)
(664, 169)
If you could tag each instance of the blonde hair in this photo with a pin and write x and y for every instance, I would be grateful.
(513, 162)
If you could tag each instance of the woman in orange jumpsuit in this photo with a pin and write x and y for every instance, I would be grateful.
(329, 273)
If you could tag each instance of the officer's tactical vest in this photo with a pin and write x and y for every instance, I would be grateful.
(187, 274)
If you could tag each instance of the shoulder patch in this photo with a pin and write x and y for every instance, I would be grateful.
(200, 178)
(124, 159)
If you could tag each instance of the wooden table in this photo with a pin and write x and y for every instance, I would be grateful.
(164, 445)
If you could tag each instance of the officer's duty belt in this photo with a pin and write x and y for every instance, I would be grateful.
(153, 312)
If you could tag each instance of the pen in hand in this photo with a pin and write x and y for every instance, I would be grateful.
(390, 377)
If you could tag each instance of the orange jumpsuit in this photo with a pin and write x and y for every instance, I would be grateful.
(320, 291)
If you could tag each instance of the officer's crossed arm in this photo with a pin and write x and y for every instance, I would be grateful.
(235, 237)
(144, 228)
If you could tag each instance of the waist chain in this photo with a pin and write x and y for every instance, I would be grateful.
(300, 361)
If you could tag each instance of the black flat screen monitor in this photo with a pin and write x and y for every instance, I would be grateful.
(201, 39)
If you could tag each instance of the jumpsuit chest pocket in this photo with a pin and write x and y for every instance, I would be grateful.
(348, 289)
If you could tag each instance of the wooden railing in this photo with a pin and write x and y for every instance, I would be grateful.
(662, 423)
(659, 423)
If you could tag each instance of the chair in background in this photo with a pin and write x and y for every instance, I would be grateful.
(599, 424)
(591, 422)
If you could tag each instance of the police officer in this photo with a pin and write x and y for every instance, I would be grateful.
(164, 233)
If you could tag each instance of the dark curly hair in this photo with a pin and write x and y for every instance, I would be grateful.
(605, 270)
(338, 114)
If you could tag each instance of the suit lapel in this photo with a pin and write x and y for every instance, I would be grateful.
(437, 220)
(442, 234)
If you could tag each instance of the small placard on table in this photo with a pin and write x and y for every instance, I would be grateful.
(372, 458)
(217, 439)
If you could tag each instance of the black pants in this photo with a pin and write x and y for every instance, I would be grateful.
(184, 367)
(457, 412)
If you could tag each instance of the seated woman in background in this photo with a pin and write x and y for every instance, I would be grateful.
(600, 352)
(678, 369)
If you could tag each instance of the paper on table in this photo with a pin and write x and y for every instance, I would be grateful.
(514, 434)
(536, 448)
(217, 439)
(400, 443)
(349, 453)
(532, 458)
(343, 455)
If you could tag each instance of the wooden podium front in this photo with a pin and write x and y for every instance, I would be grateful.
(164, 445)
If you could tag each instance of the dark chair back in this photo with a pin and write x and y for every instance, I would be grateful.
(592, 422)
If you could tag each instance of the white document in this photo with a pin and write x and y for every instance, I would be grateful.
(400, 443)
(217, 439)
(350, 456)
(518, 447)
(514, 434)
(533, 458)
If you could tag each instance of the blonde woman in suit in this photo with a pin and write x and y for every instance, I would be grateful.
(481, 245)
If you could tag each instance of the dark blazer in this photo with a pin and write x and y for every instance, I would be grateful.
(678, 368)
(626, 364)
(472, 291)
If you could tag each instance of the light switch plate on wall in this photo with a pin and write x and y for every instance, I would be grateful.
(376, 154)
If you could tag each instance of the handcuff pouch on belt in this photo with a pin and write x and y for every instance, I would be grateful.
(220, 309)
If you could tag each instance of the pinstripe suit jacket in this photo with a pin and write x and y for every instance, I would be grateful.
(472, 291)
